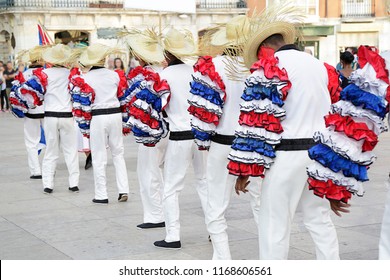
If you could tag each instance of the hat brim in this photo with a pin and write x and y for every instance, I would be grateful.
(138, 47)
(47, 56)
(219, 38)
(287, 30)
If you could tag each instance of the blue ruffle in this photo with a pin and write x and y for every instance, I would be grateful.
(330, 159)
(83, 100)
(261, 92)
(363, 98)
(32, 83)
(201, 135)
(139, 133)
(150, 98)
(206, 92)
(84, 125)
(18, 113)
(253, 145)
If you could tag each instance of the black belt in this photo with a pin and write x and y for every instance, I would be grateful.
(59, 114)
(107, 111)
(301, 144)
(181, 135)
(223, 139)
(34, 116)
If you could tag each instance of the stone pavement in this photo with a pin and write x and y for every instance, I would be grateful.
(66, 225)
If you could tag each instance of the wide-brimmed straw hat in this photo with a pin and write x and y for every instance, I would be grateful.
(58, 54)
(232, 33)
(32, 55)
(286, 29)
(95, 55)
(179, 43)
(145, 45)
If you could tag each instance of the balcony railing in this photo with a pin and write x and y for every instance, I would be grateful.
(4, 4)
(358, 8)
(220, 4)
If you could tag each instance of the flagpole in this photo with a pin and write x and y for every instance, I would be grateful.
(45, 30)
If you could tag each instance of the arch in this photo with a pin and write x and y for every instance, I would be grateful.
(5, 45)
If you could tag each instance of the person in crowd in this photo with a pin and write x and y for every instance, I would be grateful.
(104, 89)
(3, 92)
(118, 64)
(355, 65)
(346, 60)
(181, 149)
(285, 100)
(9, 76)
(110, 63)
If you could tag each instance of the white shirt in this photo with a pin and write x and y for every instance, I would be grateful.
(105, 84)
(27, 75)
(178, 77)
(57, 96)
(231, 109)
(308, 100)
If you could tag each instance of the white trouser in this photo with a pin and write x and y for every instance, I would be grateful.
(32, 137)
(284, 186)
(384, 241)
(178, 157)
(150, 177)
(106, 130)
(60, 132)
(220, 188)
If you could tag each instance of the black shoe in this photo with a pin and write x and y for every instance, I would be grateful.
(48, 190)
(88, 162)
(210, 238)
(123, 197)
(102, 201)
(36, 177)
(168, 245)
(74, 189)
(151, 225)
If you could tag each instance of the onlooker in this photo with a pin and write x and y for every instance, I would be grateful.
(110, 64)
(3, 95)
(355, 64)
(346, 60)
(9, 75)
(118, 64)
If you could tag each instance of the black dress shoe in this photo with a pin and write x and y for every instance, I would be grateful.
(48, 190)
(36, 177)
(151, 225)
(102, 201)
(88, 162)
(74, 189)
(168, 245)
(123, 197)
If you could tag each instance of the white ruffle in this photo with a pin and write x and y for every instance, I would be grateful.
(204, 144)
(205, 80)
(140, 125)
(258, 77)
(258, 133)
(319, 172)
(144, 106)
(343, 145)
(261, 106)
(366, 79)
(203, 126)
(200, 102)
(146, 140)
(250, 158)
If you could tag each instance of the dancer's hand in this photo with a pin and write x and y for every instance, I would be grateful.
(338, 206)
(241, 184)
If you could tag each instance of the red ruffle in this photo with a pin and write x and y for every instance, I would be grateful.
(206, 67)
(203, 115)
(244, 169)
(329, 190)
(271, 70)
(41, 76)
(33, 94)
(160, 85)
(264, 120)
(79, 113)
(265, 52)
(144, 117)
(352, 129)
(136, 71)
(122, 86)
(19, 77)
(333, 83)
(74, 72)
(126, 130)
(370, 55)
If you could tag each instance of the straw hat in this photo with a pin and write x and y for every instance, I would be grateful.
(287, 30)
(232, 33)
(31, 55)
(95, 55)
(179, 43)
(57, 54)
(145, 45)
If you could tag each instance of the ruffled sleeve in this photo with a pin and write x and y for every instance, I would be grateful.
(18, 103)
(148, 96)
(261, 115)
(206, 102)
(333, 83)
(343, 152)
(124, 100)
(83, 96)
(33, 90)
